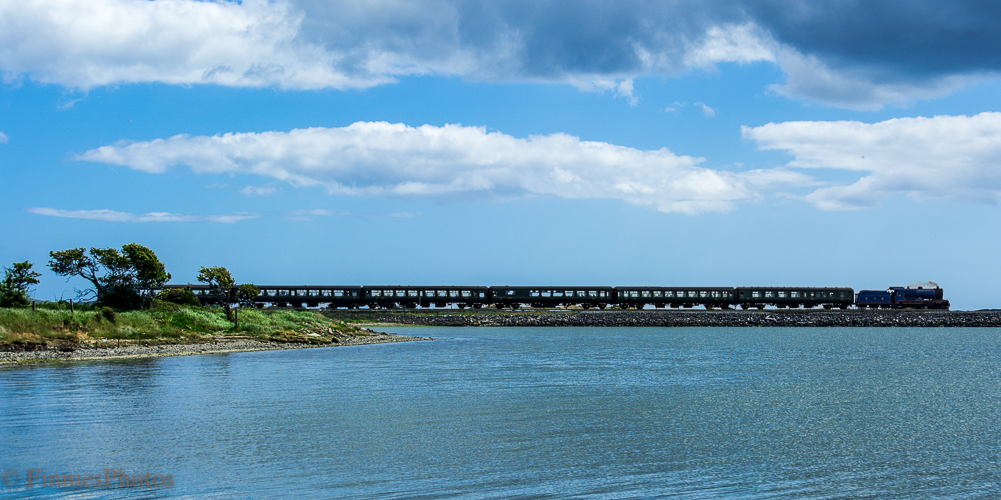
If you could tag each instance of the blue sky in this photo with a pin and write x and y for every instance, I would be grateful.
(822, 143)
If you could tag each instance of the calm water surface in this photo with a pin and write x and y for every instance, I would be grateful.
(528, 413)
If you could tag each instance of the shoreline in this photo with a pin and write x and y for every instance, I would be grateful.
(57, 353)
(669, 318)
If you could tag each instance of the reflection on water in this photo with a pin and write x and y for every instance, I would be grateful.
(522, 412)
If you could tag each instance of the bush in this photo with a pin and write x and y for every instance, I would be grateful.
(109, 314)
(182, 296)
(14, 300)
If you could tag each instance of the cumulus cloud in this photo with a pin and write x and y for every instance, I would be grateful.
(115, 216)
(860, 55)
(89, 43)
(394, 160)
(944, 157)
(3, 138)
(706, 110)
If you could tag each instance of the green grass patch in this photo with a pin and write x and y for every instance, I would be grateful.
(167, 322)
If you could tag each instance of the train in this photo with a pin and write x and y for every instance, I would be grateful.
(584, 297)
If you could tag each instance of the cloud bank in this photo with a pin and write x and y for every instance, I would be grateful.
(860, 55)
(955, 158)
(454, 162)
(114, 216)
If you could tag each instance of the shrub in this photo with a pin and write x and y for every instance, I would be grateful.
(182, 296)
(109, 314)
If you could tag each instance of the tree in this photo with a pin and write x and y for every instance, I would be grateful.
(246, 294)
(220, 282)
(15, 289)
(120, 279)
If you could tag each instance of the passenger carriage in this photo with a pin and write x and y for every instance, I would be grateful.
(794, 297)
(660, 297)
(552, 296)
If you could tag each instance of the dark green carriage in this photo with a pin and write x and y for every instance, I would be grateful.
(551, 296)
(795, 297)
(639, 297)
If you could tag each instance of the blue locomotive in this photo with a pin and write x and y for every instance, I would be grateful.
(899, 297)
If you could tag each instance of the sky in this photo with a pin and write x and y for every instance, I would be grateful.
(439, 142)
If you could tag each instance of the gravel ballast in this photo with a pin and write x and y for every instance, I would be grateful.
(767, 318)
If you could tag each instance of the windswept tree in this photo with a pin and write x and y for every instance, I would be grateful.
(246, 294)
(123, 280)
(15, 289)
(220, 283)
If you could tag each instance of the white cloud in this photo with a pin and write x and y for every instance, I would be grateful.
(259, 190)
(621, 88)
(114, 216)
(944, 157)
(90, 43)
(3, 138)
(737, 43)
(808, 77)
(706, 110)
(394, 160)
(302, 44)
(305, 215)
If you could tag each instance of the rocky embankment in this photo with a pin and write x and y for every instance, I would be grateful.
(766, 318)
(17, 353)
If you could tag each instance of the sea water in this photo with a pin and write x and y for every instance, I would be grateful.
(523, 413)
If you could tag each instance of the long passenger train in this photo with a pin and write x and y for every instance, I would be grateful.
(586, 297)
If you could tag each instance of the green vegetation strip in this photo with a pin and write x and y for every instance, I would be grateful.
(167, 323)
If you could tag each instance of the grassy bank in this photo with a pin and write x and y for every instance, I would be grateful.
(166, 323)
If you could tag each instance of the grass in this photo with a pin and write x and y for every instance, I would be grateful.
(166, 323)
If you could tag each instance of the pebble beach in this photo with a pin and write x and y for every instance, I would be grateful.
(48, 352)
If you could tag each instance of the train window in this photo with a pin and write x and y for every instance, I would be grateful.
(603, 294)
(466, 293)
(782, 295)
(634, 294)
(771, 294)
(644, 294)
(547, 293)
(592, 293)
(657, 293)
(795, 294)
(412, 293)
(756, 294)
(508, 292)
